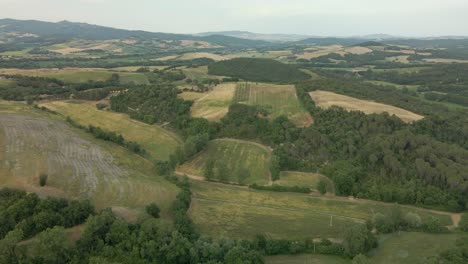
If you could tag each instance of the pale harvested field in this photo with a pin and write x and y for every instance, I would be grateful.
(166, 58)
(317, 54)
(409, 52)
(440, 60)
(78, 166)
(159, 142)
(400, 59)
(323, 51)
(69, 50)
(326, 100)
(215, 104)
(198, 55)
(191, 96)
(46, 72)
(198, 44)
(358, 50)
(278, 100)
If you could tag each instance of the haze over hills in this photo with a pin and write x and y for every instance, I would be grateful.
(23, 29)
(257, 36)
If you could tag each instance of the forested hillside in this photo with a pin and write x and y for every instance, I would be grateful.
(257, 70)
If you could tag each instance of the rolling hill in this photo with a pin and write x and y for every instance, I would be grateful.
(65, 30)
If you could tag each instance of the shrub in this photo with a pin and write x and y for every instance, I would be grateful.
(382, 223)
(322, 187)
(153, 210)
(412, 220)
(101, 106)
(433, 225)
(464, 223)
(43, 179)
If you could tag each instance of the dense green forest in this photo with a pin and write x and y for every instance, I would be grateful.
(257, 70)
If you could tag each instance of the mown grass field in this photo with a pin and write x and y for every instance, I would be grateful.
(198, 73)
(325, 99)
(215, 104)
(306, 259)
(277, 100)
(398, 86)
(78, 165)
(5, 83)
(411, 247)
(311, 180)
(230, 211)
(235, 154)
(80, 75)
(159, 142)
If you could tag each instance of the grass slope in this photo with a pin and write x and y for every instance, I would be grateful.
(80, 75)
(276, 99)
(78, 165)
(325, 99)
(410, 247)
(311, 180)
(159, 142)
(306, 259)
(224, 210)
(258, 70)
(235, 154)
(215, 104)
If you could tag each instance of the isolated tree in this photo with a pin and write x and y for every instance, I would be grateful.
(382, 223)
(358, 240)
(360, 259)
(43, 179)
(275, 168)
(412, 220)
(153, 210)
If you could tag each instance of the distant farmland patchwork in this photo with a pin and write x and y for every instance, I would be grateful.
(325, 99)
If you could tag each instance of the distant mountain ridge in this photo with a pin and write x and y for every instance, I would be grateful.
(74, 30)
(257, 36)
(66, 30)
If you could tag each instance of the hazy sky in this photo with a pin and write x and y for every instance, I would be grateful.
(313, 17)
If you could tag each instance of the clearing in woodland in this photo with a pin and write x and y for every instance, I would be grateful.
(277, 100)
(411, 247)
(78, 165)
(325, 99)
(224, 210)
(311, 180)
(250, 159)
(215, 104)
(158, 142)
